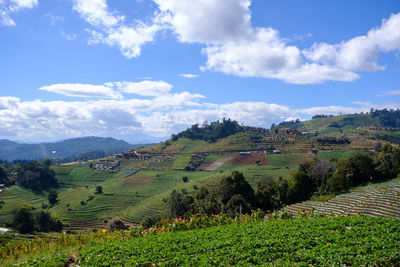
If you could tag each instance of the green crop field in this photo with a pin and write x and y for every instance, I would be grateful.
(356, 241)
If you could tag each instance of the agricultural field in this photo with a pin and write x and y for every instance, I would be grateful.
(134, 196)
(382, 199)
(139, 186)
(354, 241)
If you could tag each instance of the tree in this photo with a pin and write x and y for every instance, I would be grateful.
(24, 221)
(52, 197)
(301, 186)
(320, 172)
(117, 224)
(99, 189)
(233, 185)
(185, 179)
(3, 176)
(266, 194)
(179, 204)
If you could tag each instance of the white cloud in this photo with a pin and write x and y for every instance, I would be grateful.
(145, 88)
(111, 29)
(96, 12)
(8, 7)
(207, 21)
(235, 47)
(188, 75)
(130, 40)
(362, 52)
(82, 90)
(157, 116)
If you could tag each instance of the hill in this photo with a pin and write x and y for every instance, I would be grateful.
(139, 183)
(11, 151)
(384, 122)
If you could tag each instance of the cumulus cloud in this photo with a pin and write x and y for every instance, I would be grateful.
(142, 119)
(207, 21)
(8, 7)
(129, 39)
(145, 88)
(110, 27)
(82, 90)
(235, 47)
(362, 52)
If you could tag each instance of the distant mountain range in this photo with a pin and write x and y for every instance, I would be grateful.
(11, 151)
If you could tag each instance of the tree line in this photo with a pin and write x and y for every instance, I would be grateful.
(33, 175)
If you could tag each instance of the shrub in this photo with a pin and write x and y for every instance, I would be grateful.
(99, 189)
(117, 224)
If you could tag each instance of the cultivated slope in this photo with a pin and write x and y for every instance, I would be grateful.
(373, 200)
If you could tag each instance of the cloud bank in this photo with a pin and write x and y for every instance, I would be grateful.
(158, 112)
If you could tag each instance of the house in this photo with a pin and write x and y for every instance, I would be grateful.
(245, 153)
(276, 151)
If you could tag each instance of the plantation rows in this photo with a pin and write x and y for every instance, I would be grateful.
(320, 242)
(373, 200)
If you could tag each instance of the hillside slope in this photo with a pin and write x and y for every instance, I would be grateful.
(374, 200)
(14, 151)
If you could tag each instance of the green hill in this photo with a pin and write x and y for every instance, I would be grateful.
(389, 119)
(11, 151)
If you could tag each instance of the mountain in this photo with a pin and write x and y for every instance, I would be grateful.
(68, 148)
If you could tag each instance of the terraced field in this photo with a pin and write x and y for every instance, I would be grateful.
(373, 200)
(14, 197)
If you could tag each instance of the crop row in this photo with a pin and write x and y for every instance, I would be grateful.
(322, 241)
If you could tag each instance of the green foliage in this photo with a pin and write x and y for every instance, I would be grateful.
(301, 186)
(35, 175)
(178, 204)
(185, 179)
(117, 224)
(99, 189)
(46, 223)
(24, 221)
(52, 197)
(337, 241)
(211, 132)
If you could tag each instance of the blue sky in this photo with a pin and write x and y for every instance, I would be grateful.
(142, 70)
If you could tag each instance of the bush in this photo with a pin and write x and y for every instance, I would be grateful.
(185, 179)
(117, 224)
(99, 189)
(150, 221)
(24, 221)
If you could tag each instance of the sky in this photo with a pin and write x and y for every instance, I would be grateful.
(141, 70)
